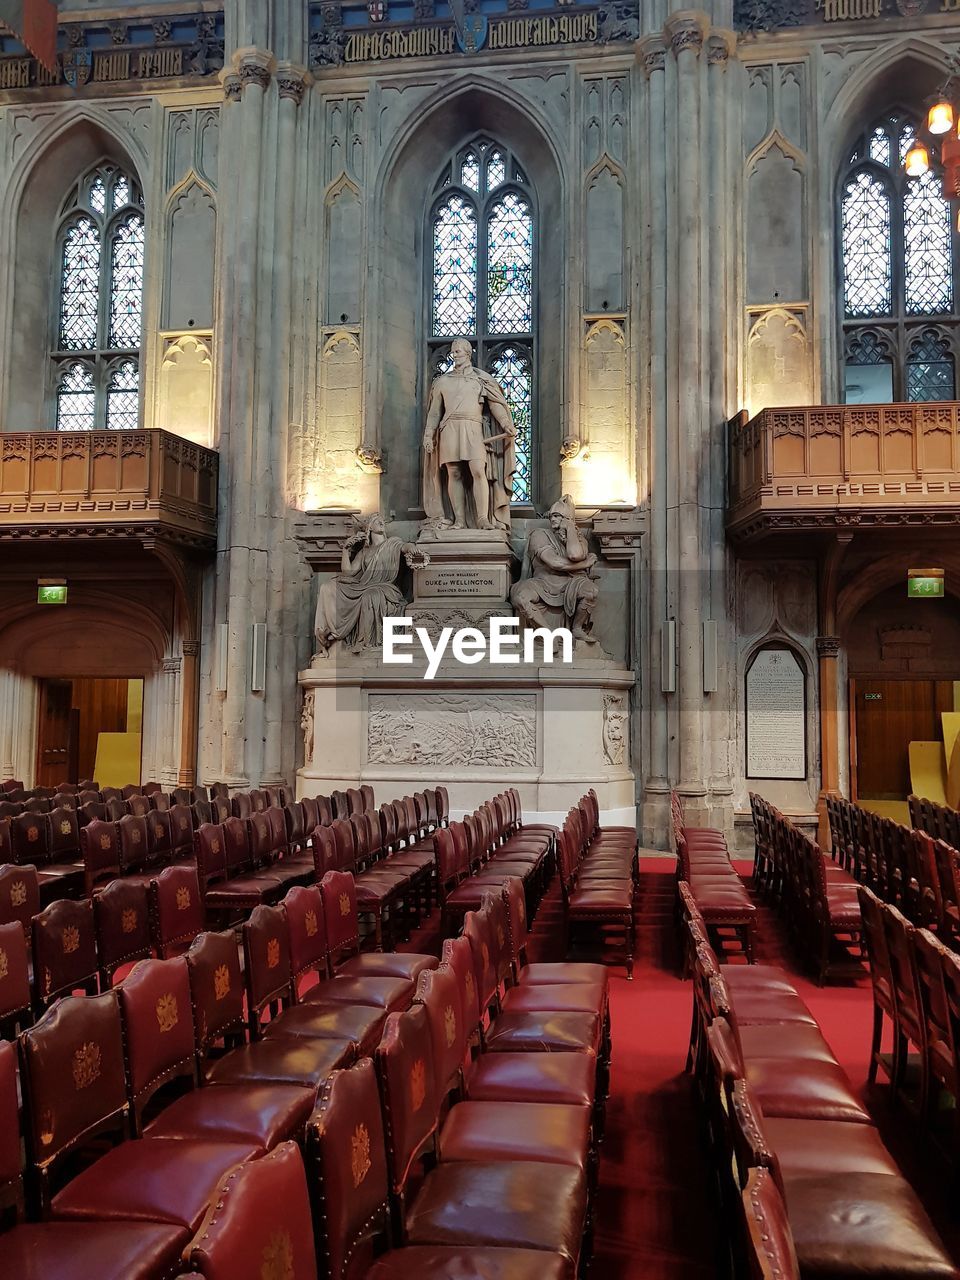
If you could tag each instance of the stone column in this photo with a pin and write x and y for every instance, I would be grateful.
(828, 655)
(652, 55)
(8, 699)
(189, 685)
(169, 711)
(687, 31)
(280, 704)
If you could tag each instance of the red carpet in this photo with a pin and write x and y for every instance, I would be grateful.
(656, 1208)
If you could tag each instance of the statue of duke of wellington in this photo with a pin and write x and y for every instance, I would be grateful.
(454, 442)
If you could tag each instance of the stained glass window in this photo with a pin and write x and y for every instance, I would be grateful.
(899, 263)
(99, 302)
(482, 280)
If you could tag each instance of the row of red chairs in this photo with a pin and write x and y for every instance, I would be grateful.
(916, 870)
(703, 863)
(941, 821)
(816, 896)
(830, 1200)
(916, 985)
(598, 877)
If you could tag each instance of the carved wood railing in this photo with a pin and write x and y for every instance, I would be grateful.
(843, 465)
(107, 483)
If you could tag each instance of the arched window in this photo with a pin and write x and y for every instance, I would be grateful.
(482, 233)
(99, 303)
(899, 273)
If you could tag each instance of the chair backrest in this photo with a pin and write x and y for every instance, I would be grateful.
(443, 805)
(122, 917)
(181, 795)
(306, 927)
(216, 987)
(130, 790)
(341, 804)
(176, 905)
(73, 1077)
(236, 846)
(111, 793)
(19, 895)
(366, 791)
(161, 800)
(240, 803)
(29, 839)
(209, 849)
(293, 819)
(205, 811)
(158, 1027)
(929, 955)
(340, 912)
(200, 794)
(64, 948)
(874, 937)
(259, 1222)
(346, 1157)
(134, 843)
(259, 837)
(476, 930)
(324, 847)
(63, 834)
(770, 1252)
(220, 790)
(438, 990)
(458, 956)
(139, 806)
(65, 800)
(11, 1167)
(276, 797)
(354, 800)
(361, 839)
(404, 1059)
(388, 826)
(266, 953)
(344, 835)
(445, 858)
(899, 932)
(181, 830)
(160, 837)
(258, 801)
(325, 813)
(493, 910)
(14, 975)
(311, 814)
(277, 826)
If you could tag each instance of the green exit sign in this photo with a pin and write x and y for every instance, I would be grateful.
(925, 587)
(52, 594)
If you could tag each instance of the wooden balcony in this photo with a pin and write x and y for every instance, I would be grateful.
(843, 467)
(108, 484)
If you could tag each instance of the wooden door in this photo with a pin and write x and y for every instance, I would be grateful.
(888, 716)
(102, 708)
(57, 735)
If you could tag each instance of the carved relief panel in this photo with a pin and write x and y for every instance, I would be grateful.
(497, 731)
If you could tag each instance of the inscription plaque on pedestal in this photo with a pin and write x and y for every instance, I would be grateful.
(465, 581)
(776, 716)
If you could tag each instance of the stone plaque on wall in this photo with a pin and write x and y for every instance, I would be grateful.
(776, 716)
(485, 581)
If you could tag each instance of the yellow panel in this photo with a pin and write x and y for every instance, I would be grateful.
(118, 759)
(134, 707)
(927, 771)
(898, 810)
(951, 746)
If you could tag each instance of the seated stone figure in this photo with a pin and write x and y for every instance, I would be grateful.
(557, 576)
(351, 607)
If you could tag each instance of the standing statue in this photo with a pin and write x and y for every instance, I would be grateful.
(351, 607)
(557, 575)
(306, 724)
(454, 441)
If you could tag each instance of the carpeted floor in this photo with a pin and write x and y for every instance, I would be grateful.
(656, 1211)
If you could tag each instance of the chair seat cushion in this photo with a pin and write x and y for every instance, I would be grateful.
(259, 1114)
(393, 994)
(602, 901)
(564, 971)
(373, 889)
(419, 858)
(282, 1060)
(82, 1250)
(151, 1180)
(361, 1023)
(434, 1262)
(759, 1007)
(243, 891)
(388, 964)
(765, 978)
(872, 1225)
(572, 997)
(514, 1203)
(545, 1032)
(570, 1078)
(484, 1131)
(804, 1090)
(814, 1148)
(798, 1040)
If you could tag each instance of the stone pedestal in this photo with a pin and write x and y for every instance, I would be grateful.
(552, 731)
(467, 580)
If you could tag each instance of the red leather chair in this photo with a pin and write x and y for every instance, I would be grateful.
(181, 833)
(79, 1041)
(507, 1203)
(64, 951)
(30, 844)
(909, 1024)
(259, 1223)
(15, 1001)
(19, 895)
(139, 805)
(158, 1030)
(385, 979)
(311, 814)
(177, 910)
(122, 918)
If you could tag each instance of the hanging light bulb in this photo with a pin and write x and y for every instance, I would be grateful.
(917, 162)
(940, 117)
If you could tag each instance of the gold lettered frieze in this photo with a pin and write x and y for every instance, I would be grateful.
(769, 15)
(502, 33)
